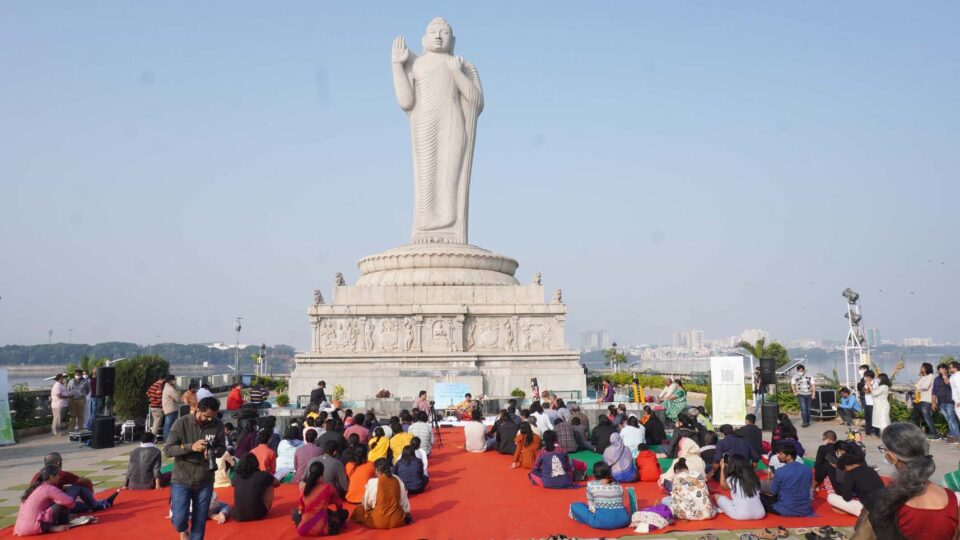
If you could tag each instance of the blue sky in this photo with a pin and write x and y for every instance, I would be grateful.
(165, 168)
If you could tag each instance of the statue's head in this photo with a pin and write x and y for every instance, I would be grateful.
(439, 37)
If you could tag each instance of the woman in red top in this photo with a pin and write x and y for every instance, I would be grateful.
(648, 466)
(314, 516)
(235, 398)
(911, 507)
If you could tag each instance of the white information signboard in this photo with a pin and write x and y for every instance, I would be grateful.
(727, 389)
(6, 426)
(449, 394)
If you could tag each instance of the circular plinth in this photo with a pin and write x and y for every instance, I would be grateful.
(437, 264)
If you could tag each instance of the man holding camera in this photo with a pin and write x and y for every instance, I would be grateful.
(195, 442)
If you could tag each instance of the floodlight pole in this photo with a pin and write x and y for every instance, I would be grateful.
(855, 352)
(237, 326)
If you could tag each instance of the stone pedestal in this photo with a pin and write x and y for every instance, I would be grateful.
(422, 314)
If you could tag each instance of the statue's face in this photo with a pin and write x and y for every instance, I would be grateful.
(438, 39)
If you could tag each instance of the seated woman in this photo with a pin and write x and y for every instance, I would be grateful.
(43, 507)
(409, 469)
(676, 401)
(911, 505)
(690, 451)
(689, 497)
(225, 465)
(527, 443)
(385, 503)
(287, 448)
(738, 476)
(379, 445)
(684, 426)
(632, 435)
(252, 490)
(620, 460)
(654, 432)
(648, 466)
(399, 440)
(359, 471)
(552, 468)
(784, 429)
(420, 454)
(313, 516)
(247, 440)
(604, 508)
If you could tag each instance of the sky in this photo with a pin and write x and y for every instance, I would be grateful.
(165, 168)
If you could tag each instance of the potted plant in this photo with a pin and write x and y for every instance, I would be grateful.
(518, 393)
(283, 400)
(338, 392)
(383, 394)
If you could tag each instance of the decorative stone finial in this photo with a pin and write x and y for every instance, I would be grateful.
(558, 296)
(340, 282)
(536, 278)
(317, 297)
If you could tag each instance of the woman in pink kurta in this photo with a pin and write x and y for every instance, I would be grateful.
(44, 507)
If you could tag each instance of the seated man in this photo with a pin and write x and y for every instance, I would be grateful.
(580, 435)
(847, 407)
(751, 433)
(859, 486)
(730, 445)
(465, 408)
(825, 465)
(789, 492)
(143, 469)
(266, 457)
(80, 489)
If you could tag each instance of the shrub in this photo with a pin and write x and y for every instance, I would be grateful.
(518, 393)
(133, 378)
(338, 392)
(283, 400)
(24, 403)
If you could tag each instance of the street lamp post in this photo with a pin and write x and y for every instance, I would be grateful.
(237, 326)
(261, 368)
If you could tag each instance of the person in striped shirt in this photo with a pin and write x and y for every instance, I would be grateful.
(155, 397)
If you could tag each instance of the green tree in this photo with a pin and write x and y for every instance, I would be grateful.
(614, 358)
(756, 349)
(134, 376)
(779, 353)
(86, 363)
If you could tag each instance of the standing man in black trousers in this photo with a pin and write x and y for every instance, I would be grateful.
(318, 395)
(866, 399)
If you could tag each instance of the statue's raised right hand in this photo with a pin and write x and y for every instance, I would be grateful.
(400, 52)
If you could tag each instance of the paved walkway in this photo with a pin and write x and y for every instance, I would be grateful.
(18, 463)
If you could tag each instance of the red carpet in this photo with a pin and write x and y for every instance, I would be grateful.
(475, 496)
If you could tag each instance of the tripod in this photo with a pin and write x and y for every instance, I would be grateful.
(435, 420)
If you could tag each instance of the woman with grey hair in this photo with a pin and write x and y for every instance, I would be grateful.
(911, 507)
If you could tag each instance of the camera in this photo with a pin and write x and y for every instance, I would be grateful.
(726, 458)
(211, 455)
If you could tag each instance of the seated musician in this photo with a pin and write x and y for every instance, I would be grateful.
(465, 408)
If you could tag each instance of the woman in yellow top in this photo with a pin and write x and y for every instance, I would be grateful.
(399, 440)
(379, 444)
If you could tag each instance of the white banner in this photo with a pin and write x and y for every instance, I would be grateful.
(6, 425)
(727, 390)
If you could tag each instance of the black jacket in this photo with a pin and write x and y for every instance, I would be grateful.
(753, 435)
(192, 468)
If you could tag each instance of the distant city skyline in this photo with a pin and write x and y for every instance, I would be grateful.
(167, 168)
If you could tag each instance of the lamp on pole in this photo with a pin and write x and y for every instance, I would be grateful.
(237, 326)
(261, 369)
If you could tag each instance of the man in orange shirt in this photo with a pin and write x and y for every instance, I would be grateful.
(266, 456)
(235, 398)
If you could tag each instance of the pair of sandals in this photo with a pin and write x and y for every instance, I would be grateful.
(823, 533)
(766, 534)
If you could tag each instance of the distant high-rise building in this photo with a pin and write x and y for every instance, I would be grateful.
(691, 340)
(753, 335)
(593, 340)
(918, 342)
(873, 337)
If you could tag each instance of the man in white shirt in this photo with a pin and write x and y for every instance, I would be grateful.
(955, 380)
(204, 392)
(58, 401)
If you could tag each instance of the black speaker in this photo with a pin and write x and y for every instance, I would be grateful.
(768, 371)
(106, 376)
(770, 412)
(102, 432)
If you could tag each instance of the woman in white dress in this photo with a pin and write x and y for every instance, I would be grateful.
(881, 405)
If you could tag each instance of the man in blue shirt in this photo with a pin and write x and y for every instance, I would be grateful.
(789, 493)
(848, 405)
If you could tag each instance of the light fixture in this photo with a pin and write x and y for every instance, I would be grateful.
(851, 295)
(855, 318)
